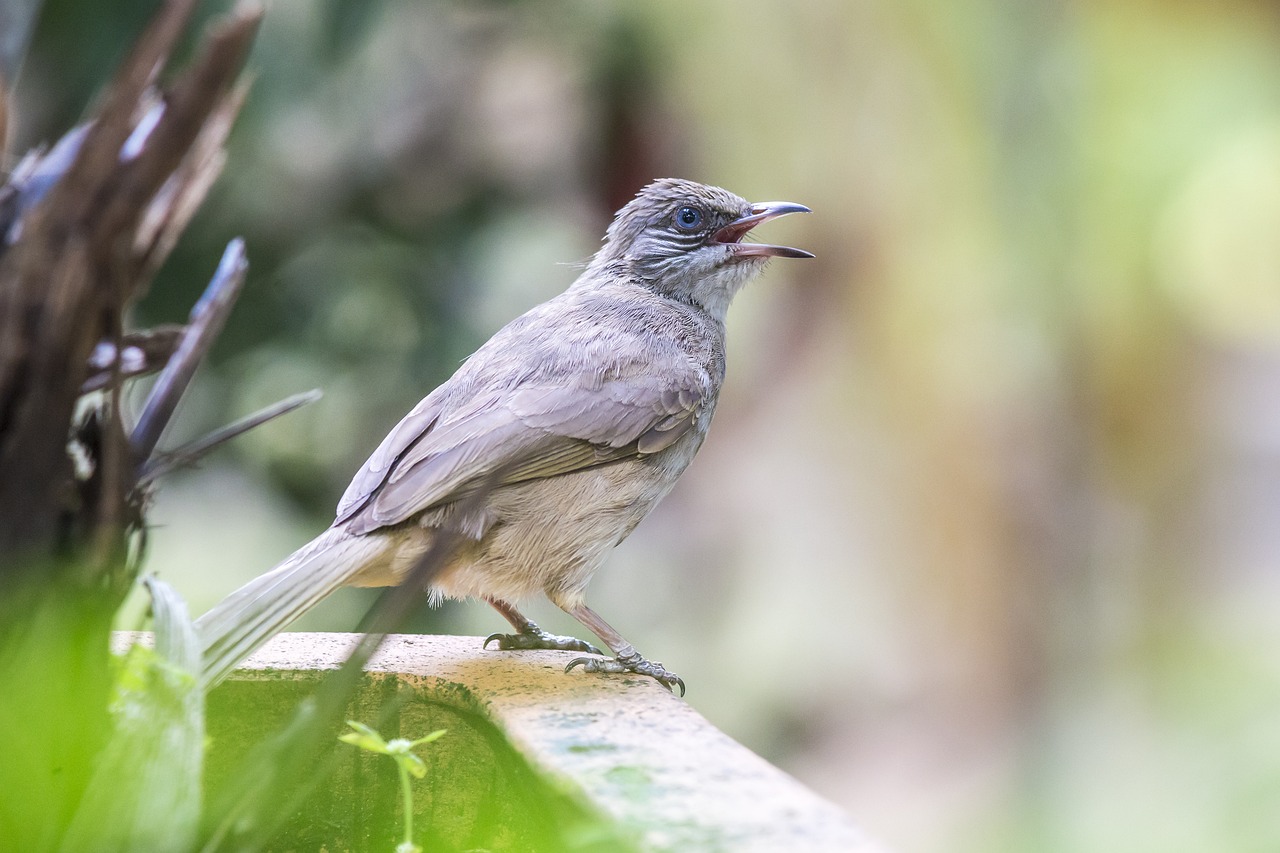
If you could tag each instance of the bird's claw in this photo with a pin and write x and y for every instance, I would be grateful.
(540, 639)
(632, 663)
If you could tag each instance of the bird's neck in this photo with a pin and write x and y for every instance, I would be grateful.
(708, 294)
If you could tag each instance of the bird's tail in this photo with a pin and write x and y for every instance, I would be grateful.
(260, 609)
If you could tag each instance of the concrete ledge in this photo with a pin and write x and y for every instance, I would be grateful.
(636, 753)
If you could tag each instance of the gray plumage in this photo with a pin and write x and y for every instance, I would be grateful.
(578, 416)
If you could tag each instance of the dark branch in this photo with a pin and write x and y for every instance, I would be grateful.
(207, 319)
(189, 454)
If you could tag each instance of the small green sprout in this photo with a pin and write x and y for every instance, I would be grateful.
(406, 762)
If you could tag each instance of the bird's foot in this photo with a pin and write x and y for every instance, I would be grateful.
(632, 662)
(534, 637)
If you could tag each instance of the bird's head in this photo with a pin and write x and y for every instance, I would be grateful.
(684, 240)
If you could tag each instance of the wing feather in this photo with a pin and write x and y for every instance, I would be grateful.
(534, 431)
(374, 472)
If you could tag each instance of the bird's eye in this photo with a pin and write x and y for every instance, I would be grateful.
(688, 218)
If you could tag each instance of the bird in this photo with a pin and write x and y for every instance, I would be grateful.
(547, 446)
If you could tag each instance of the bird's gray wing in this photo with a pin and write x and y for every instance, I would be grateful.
(412, 427)
(512, 435)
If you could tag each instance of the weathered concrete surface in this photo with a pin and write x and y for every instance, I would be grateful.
(636, 752)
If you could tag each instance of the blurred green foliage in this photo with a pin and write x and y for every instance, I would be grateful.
(53, 727)
(475, 792)
(993, 489)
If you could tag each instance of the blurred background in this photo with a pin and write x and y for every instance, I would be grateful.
(985, 543)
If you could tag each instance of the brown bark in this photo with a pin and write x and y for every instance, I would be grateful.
(71, 265)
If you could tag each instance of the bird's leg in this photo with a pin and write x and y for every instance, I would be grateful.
(529, 636)
(626, 659)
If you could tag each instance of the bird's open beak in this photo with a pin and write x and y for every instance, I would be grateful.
(731, 235)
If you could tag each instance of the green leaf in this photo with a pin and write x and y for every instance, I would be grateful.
(436, 735)
(365, 738)
(412, 763)
(145, 793)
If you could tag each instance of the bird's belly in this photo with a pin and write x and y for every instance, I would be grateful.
(551, 535)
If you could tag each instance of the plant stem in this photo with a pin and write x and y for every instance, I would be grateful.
(408, 803)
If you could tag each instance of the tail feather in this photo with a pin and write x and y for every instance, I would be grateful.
(260, 609)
